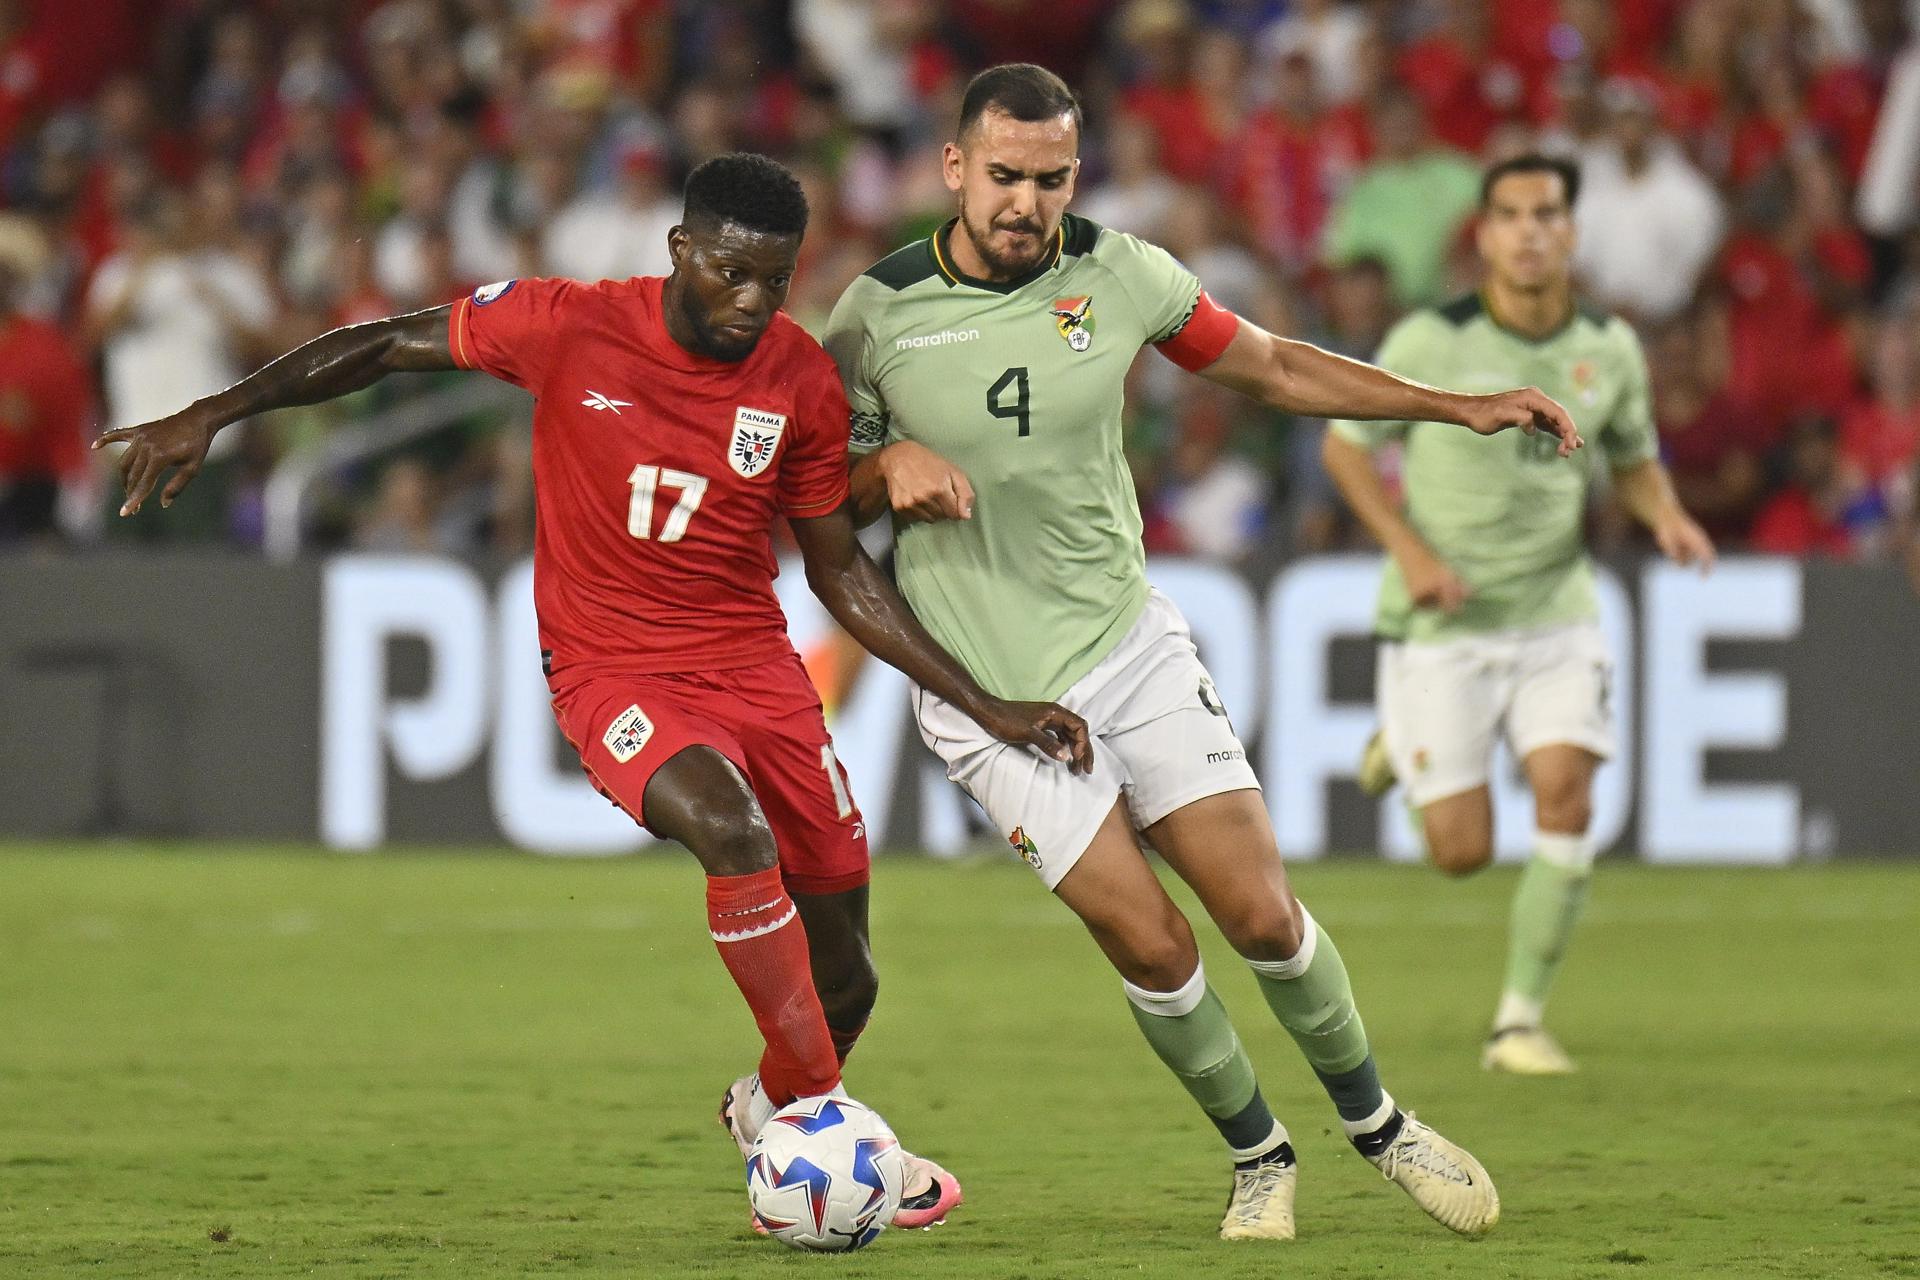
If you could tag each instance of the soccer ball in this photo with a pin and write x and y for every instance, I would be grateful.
(825, 1174)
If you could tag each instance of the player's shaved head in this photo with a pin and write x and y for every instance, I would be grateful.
(748, 190)
(1021, 90)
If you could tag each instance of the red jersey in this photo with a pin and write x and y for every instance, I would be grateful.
(657, 472)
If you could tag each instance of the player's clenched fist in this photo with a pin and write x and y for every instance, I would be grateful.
(1530, 409)
(923, 486)
(153, 448)
(1046, 725)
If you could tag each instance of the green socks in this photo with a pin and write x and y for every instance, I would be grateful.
(1311, 996)
(1190, 1031)
(1546, 907)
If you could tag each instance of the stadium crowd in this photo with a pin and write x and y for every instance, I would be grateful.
(189, 187)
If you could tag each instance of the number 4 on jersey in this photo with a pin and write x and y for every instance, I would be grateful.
(646, 481)
(997, 405)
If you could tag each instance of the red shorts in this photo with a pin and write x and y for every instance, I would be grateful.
(766, 719)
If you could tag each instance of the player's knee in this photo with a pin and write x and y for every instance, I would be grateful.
(733, 843)
(1459, 854)
(849, 998)
(1563, 806)
(1269, 927)
(1161, 957)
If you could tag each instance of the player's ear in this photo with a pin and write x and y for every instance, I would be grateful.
(677, 246)
(953, 166)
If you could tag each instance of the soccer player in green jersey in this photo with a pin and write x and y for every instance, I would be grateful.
(985, 367)
(1488, 620)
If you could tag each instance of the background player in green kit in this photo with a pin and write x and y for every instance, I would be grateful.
(988, 360)
(1487, 612)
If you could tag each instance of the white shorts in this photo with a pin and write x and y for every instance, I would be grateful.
(1442, 703)
(1161, 739)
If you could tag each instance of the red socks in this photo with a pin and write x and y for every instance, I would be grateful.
(764, 946)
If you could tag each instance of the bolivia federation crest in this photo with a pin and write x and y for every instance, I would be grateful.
(756, 434)
(1074, 318)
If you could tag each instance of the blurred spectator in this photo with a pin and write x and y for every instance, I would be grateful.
(1648, 221)
(1465, 84)
(1188, 88)
(1818, 511)
(1285, 165)
(1329, 33)
(1407, 206)
(404, 519)
(1137, 194)
(178, 313)
(1209, 502)
(1880, 431)
(1713, 453)
(1358, 310)
(619, 233)
(45, 405)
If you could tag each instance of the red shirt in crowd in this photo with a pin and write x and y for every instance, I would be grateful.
(658, 473)
(1792, 524)
(45, 402)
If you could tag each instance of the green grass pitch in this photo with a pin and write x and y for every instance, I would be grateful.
(283, 1062)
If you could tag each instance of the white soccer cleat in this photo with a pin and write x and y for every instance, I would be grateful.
(1376, 776)
(744, 1109)
(1442, 1177)
(1526, 1051)
(1261, 1207)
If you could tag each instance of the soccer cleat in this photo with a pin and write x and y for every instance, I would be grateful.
(737, 1112)
(1376, 767)
(1442, 1177)
(1526, 1051)
(1261, 1206)
(930, 1193)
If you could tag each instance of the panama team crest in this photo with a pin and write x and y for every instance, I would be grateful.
(1074, 318)
(756, 434)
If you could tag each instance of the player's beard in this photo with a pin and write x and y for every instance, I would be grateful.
(999, 261)
(712, 341)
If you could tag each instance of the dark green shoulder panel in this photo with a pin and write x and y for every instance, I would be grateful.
(1080, 235)
(1461, 310)
(905, 266)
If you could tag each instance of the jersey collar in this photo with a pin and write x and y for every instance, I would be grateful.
(943, 260)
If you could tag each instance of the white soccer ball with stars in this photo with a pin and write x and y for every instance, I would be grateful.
(825, 1174)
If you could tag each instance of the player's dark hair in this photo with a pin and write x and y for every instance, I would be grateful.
(1020, 89)
(1533, 162)
(749, 189)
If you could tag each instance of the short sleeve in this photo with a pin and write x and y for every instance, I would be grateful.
(1163, 291)
(849, 343)
(1628, 436)
(813, 468)
(1405, 351)
(509, 328)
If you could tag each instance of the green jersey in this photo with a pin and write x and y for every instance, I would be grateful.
(1505, 512)
(1019, 384)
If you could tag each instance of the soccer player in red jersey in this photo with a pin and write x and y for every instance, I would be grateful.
(674, 420)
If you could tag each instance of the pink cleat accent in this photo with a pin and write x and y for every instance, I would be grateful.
(931, 1193)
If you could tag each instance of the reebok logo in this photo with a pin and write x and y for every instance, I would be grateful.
(598, 400)
(939, 339)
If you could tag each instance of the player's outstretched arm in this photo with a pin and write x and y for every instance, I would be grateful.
(1297, 377)
(332, 364)
(861, 599)
(1646, 490)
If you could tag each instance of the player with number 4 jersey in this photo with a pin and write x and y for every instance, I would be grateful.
(985, 367)
(675, 421)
